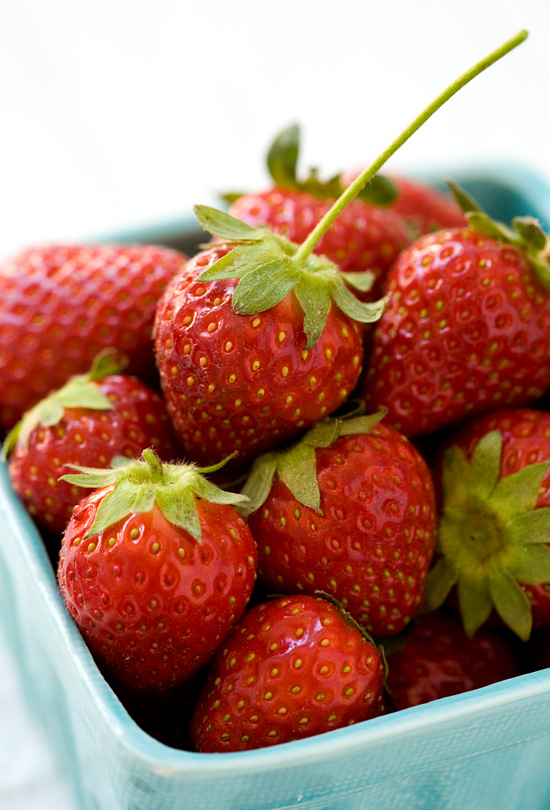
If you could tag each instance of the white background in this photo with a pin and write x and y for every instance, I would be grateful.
(123, 113)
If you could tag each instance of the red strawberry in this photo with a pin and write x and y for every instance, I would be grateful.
(424, 207)
(91, 420)
(292, 668)
(348, 510)
(467, 328)
(60, 305)
(242, 367)
(437, 660)
(365, 237)
(494, 530)
(155, 568)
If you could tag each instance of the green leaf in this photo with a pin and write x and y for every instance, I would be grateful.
(530, 565)
(86, 395)
(511, 604)
(180, 510)
(485, 226)
(530, 527)
(91, 477)
(485, 464)
(358, 310)
(531, 233)
(380, 190)
(515, 494)
(210, 492)
(241, 261)
(441, 579)
(258, 483)
(542, 271)
(362, 424)
(455, 479)
(225, 226)
(106, 363)
(124, 500)
(475, 602)
(465, 201)
(282, 158)
(314, 298)
(298, 470)
(359, 281)
(265, 287)
(323, 434)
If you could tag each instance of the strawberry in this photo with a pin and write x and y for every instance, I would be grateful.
(423, 206)
(240, 368)
(60, 305)
(156, 566)
(437, 660)
(467, 328)
(292, 668)
(367, 237)
(348, 510)
(493, 541)
(92, 419)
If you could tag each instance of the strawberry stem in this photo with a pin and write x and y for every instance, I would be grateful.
(356, 186)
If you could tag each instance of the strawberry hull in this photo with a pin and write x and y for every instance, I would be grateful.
(488, 748)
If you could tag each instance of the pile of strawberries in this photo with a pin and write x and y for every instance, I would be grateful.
(291, 485)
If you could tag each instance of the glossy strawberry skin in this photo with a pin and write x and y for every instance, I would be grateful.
(525, 440)
(89, 438)
(370, 546)
(60, 305)
(467, 329)
(292, 668)
(151, 603)
(244, 383)
(364, 237)
(438, 660)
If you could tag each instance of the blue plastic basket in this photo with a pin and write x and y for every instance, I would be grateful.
(487, 749)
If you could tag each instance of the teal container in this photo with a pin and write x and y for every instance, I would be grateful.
(488, 749)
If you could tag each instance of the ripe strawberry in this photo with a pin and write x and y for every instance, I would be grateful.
(292, 668)
(92, 419)
(245, 365)
(493, 541)
(437, 660)
(421, 205)
(365, 238)
(348, 510)
(60, 305)
(467, 328)
(155, 568)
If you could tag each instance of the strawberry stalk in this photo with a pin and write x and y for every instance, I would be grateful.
(357, 185)
(269, 266)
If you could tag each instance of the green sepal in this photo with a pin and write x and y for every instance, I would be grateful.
(265, 287)
(442, 577)
(282, 157)
(491, 537)
(223, 225)
(138, 485)
(530, 527)
(80, 391)
(314, 298)
(526, 233)
(296, 465)
(530, 565)
(475, 602)
(511, 603)
(355, 309)
(360, 281)
(282, 163)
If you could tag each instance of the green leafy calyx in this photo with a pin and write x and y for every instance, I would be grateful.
(282, 162)
(525, 233)
(269, 268)
(81, 391)
(296, 466)
(491, 537)
(140, 485)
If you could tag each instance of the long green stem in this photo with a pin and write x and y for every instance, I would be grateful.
(354, 188)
